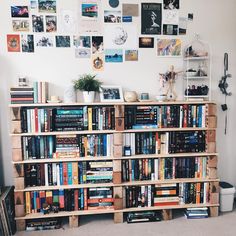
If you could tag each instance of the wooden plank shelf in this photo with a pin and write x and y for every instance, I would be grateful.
(111, 131)
(105, 158)
(124, 184)
(110, 211)
(109, 104)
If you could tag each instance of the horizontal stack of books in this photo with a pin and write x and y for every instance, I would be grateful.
(148, 216)
(43, 224)
(22, 95)
(196, 213)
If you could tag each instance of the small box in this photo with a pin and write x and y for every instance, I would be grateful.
(227, 192)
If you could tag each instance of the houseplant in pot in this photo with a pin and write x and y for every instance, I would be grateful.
(89, 85)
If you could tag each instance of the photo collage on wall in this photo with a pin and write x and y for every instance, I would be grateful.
(108, 32)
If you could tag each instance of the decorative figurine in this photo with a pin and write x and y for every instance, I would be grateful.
(55, 207)
(46, 208)
(170, 77)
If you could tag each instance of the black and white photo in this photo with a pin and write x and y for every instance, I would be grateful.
(111, 94)
(151, 18)
(27, 43)
(170, 29)
(171, 4)
(62, 41)
(37, 23)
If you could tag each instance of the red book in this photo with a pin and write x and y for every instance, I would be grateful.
(36, 120)
(166, 203)
(65, 174)
(22, 99)
(97, 200)
(85, 199)
(61, 199)
(76, 199)
(185, 118)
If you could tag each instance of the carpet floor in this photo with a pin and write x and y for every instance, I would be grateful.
(224, 225)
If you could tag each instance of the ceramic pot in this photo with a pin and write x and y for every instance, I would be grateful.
(88, 96)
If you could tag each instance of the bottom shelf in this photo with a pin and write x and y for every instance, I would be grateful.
(109, 211)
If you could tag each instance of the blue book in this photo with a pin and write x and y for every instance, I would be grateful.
(61, 173)
(104, 145)
(50, 146)
(35, 87)
(82, 198)
(69, 173)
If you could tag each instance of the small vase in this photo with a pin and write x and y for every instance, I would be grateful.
(88, 96)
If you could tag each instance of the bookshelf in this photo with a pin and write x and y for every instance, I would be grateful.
(104, 151)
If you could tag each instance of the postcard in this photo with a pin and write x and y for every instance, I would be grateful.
(170, 17)
(44, 40)
(170, 29)
(27, 43)
(97, 44)
(146, 42)
(112, 16)
(13, 43)
(47, 6)
(169, 47)
(130, 9)
(113, 55)
(20, 11)
(20, 25)
(171, 4)
(131, 55)
(62, 41)
(37, 23)
(51, 24)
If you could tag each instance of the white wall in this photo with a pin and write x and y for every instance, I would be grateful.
(214, 20)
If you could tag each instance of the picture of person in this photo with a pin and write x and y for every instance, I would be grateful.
(153, 19)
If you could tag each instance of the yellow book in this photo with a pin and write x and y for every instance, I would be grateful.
(28, 203)
(90, 121)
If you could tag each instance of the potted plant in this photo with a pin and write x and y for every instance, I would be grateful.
(89, 85)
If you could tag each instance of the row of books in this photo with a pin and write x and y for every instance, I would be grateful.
(164, 168)
(67, 146)
(70, 199)
(28, 95)
(165, 142)
(137, 117)
(67, 119)
(166, 194)
(68, 173)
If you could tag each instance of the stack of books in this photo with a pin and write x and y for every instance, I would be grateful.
(43, 224)
(148, 216)
(21, 95)
(196, 213)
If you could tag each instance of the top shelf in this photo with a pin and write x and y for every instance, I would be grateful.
(109, 103)
(195, 58)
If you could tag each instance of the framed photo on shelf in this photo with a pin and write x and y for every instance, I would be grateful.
(111, 93)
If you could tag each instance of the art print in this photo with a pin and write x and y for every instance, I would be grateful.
(13, 43)
(68, 21)
(20, 25)
(169, 47)
(113, 55)
(19, 11)
(151, 19)
(27, 43)
(171, 17)
(98, 62)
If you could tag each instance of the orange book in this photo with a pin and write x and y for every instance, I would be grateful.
(97, 200)
(76, 201)
(85, 199)
(166, 203)
(198, 190)
(166, 192)
(75, 173)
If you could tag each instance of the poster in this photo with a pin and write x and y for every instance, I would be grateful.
(131, 55)
(13, 43)
(151, 19)
(169, 47)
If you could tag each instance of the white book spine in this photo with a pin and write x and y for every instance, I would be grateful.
(58, 174)
(156, 168)
(203, 116)
(149, 195)
(181, 117)
(54, 174)
(167, 143)
(46, 174)
(28, 114)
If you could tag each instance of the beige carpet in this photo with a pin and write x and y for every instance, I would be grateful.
(224, 225)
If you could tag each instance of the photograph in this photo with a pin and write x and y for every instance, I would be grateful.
(82, 52)
(170, 29)
(98, 62)
(151, 16)
(97, 44)
(51, 24)
(146, 42)
(82, 41)
(47, 6)
(89, 10)
(171, 4)
(37, 23)
(169, 47)
(19, 11)
(33, 4)
(112, 16)
(27, 43)
(113, 55)
(44, 41)
(111, 94)
(20, 25)
(13, 43)
(183, 22)
(130, 9)
(131, 55)
(62, 41)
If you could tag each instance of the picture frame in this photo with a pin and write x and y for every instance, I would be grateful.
(111, 93)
